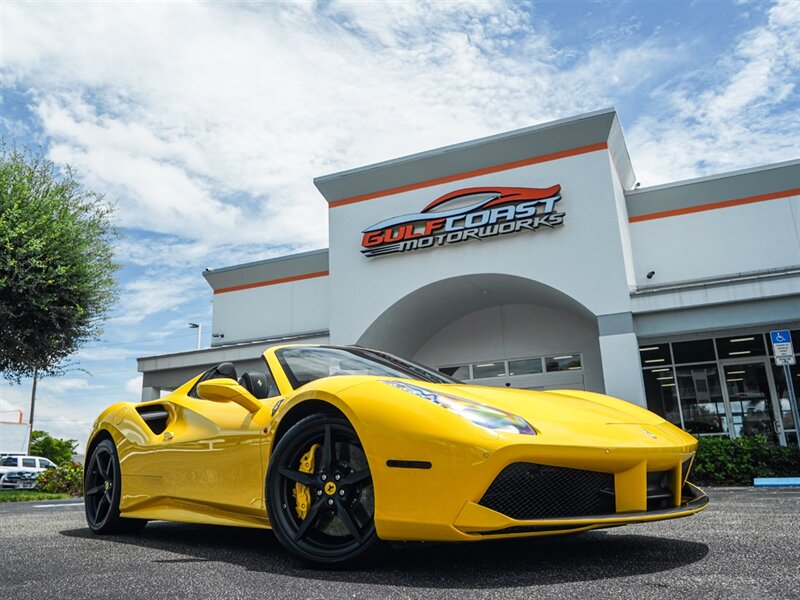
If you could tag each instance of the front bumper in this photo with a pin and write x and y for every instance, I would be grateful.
(448, 502)
(477, 520)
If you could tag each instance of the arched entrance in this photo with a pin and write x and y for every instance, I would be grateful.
(495, 329)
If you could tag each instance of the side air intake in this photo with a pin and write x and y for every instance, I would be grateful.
(155, 417)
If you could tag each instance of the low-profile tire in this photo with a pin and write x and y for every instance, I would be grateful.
(336, 529)
(102, 485)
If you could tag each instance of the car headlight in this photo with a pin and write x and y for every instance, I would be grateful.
(482, 415)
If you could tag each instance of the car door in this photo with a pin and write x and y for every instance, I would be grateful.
(210, 454)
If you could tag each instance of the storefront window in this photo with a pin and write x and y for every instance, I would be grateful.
(489, 369)
(702, 403)
(782, 390)
(694, 351)
(741, 346)
(662, 399)
(654, 355)
(565, 362)
(750, 402)
(525, 366)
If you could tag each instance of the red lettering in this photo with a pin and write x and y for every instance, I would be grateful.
(372, 238)
(390, 235)
(433, 225)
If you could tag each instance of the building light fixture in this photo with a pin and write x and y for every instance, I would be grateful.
(746, 339)
(659, 370)
(648, 349)
(664, 378)
(654, 360)
(736, 372)
(563, 357)
(667, 385)
(739, 352)
(735, 379)
(578, 368)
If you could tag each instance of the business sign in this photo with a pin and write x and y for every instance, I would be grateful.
(463, 215)
(782, 348)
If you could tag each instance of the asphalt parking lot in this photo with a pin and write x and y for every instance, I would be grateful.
(746, 545)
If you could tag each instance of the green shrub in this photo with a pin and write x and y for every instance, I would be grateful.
(66, 479)
(723, 461)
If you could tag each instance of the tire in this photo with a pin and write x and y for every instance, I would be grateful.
(337, 529)
(102, 486)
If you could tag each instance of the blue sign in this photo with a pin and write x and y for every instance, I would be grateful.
(782, 336)
(782, 348)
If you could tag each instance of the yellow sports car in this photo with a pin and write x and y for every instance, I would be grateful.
(340, 449)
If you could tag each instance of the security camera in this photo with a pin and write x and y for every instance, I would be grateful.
(650, 274)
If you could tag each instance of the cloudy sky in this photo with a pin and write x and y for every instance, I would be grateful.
(205, 123)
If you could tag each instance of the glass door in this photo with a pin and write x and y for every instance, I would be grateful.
(751, 399)
(781, 386)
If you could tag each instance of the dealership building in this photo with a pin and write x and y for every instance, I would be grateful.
(533, 259)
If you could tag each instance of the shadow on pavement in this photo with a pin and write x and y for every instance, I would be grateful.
(590, 556)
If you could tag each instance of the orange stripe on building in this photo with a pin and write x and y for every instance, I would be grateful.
(715, 205)
(258, 284)
(495, 169)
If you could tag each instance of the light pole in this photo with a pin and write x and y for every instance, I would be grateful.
(199, 328)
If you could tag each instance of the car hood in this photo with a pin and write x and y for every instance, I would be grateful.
(578, 406)
(565, 414)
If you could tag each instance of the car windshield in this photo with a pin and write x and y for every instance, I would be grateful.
(303, 365)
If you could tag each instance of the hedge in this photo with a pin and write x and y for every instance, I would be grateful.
(723, 461)
(66, 479)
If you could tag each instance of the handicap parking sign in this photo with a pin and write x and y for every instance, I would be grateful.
(782, 348)
(782, 336)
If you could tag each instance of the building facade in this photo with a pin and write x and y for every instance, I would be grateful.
(533, 259)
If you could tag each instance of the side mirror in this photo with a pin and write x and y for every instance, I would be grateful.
(227, 390)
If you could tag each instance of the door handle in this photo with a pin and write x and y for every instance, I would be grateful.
(168, 435)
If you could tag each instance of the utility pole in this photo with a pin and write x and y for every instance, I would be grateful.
(33, 405)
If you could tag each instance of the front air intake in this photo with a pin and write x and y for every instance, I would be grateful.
(530, 491)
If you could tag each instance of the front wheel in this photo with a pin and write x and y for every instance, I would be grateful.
(320, 495)
(102, 487)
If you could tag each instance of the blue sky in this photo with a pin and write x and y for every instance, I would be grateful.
(205, 123)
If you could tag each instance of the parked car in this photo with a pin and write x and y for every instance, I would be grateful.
(341, 448)
(34, 464)
(18, 480)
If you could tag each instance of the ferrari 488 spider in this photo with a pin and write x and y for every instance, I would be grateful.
(341, 449)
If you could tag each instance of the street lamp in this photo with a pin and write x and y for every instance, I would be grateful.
(199, 328)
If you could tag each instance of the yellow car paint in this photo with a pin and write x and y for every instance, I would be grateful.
(209, 465)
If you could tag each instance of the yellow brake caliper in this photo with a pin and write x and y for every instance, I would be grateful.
(302, 494)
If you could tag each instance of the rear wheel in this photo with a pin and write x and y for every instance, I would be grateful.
(102, 487)
(320, 495)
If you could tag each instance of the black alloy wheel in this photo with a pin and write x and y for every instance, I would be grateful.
(102, 487)
(324, 513)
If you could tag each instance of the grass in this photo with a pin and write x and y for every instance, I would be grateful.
(27, 495)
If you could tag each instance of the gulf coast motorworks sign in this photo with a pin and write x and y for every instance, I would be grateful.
(463, 215)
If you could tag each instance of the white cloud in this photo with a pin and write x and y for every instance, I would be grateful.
(106, 353)
(208, 122)
(746, 115)
(63, 384)
(134, 385)
(13, 399)
(144, 297)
